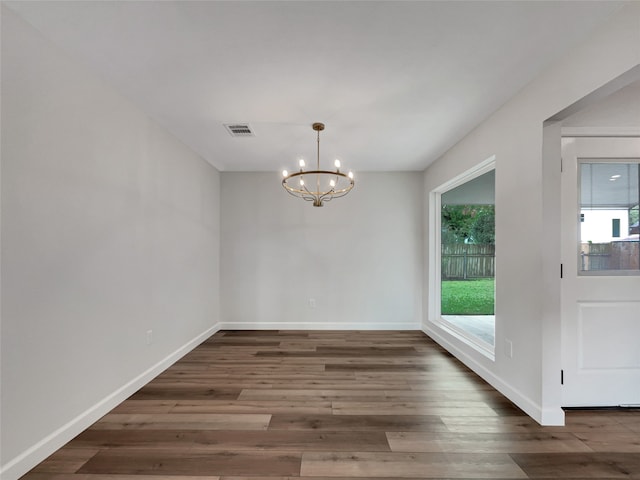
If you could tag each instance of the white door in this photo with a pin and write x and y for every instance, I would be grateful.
(600, 289)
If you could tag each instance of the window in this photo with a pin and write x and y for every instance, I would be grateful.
(465, 226)
(609, 240)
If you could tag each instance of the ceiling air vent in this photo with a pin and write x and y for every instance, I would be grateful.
(239, 129)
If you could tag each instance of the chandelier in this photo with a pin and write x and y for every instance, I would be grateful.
(318, 186)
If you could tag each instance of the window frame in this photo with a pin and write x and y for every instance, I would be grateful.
(578, 241)
(435, 259)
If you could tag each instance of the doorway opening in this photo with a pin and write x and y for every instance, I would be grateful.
(599, 194)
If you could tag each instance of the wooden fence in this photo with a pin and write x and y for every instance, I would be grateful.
(464, 261)
(610, 256)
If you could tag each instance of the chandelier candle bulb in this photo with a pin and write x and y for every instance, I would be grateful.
(327, 185)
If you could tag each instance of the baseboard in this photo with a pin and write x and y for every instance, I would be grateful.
(533, 409)
(24, 462)
(552, 417)
(317, 326)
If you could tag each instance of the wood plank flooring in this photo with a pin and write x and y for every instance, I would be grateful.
(276, 405)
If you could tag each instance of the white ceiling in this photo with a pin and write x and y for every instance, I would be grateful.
(397, 83)
(619, 110)
(480, 190)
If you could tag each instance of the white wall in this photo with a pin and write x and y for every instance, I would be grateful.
(359, 257)
(110, 228)
(527, 239)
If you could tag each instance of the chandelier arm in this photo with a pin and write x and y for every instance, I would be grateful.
(343, 191)
(304, 194)
(304, 187)
(312, 195)
(293, 193)
(338, 194)
(327, 198)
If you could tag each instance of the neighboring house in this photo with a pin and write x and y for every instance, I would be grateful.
(602, 226)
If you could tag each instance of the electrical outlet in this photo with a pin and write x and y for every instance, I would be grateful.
(312, 303)
(508, 348)
(149, 337)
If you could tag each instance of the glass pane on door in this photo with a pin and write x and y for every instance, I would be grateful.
(609, 218)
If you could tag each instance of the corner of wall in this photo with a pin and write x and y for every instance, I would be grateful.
(21, 464)
(529, 406)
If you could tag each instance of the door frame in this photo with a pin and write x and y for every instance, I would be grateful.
(552, 322)
(576, 301)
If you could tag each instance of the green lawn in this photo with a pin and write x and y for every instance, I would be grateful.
(468, 297)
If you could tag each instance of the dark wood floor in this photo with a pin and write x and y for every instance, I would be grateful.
(280, 405)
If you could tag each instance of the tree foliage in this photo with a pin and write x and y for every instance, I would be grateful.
(634, 215)
(468, 224)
